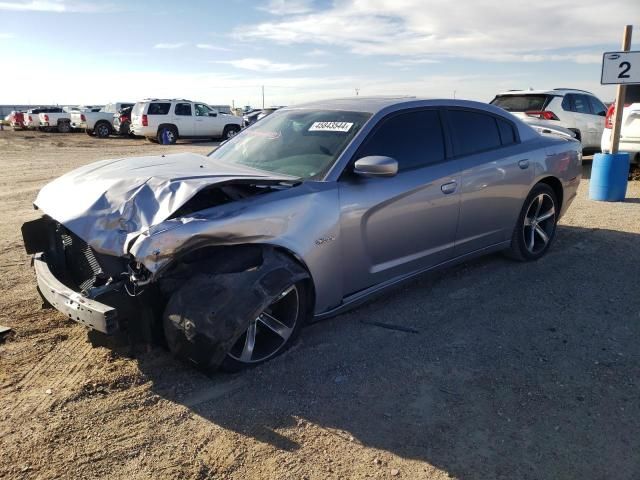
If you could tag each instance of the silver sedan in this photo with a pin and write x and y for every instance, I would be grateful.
(301, 216)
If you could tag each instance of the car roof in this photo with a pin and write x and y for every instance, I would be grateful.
(383, 104)
(553, 91)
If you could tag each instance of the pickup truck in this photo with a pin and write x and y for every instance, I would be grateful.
(16, 119)
(630, 127)
(60, 121)
(32, 116)
(98, 123)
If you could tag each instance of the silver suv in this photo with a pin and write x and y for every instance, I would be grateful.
(303, 215)
(165, 121)
(576, 110)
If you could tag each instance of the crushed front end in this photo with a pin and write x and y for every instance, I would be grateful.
(102, 292)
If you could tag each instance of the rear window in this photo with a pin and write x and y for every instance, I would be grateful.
(633, 94)
(507, 132)
(137, 109)
(521, 103)
(473, 132)
(158, 108)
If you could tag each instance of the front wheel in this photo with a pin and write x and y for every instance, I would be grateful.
(230, 131)
(536, 226)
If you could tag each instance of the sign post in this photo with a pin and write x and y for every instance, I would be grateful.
(610, 171)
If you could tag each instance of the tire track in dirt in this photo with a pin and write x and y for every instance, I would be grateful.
(58, 371)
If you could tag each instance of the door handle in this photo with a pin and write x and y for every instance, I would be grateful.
(448, 188)
(523, 164)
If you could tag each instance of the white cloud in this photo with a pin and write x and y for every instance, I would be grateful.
(480, 30)
(317, 52)
(264, 65)
(288, 7)
(5, 35)
(56, 6)
(410, 62)
(169, 46)
(208, 46)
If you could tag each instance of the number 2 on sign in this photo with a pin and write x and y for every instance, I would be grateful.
(625, 66)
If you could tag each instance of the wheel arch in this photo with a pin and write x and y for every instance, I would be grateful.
(556, 186)
(169, 125)
(233, 258)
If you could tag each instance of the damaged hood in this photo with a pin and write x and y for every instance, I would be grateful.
(109, 203)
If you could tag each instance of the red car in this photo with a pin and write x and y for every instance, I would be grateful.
(17, 120)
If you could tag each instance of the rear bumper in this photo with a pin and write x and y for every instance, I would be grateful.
(78, 308)
(79, 125)
(627, 144)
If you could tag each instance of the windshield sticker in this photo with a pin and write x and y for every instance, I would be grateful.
(330, 127)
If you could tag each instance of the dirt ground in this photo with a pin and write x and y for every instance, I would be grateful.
(516, 371)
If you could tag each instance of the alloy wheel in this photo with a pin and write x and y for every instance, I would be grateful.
(539, 223)
(270, 331)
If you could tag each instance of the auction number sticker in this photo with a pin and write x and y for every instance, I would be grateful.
(330, 127)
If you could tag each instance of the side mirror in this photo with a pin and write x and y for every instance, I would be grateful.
(213, 114)
(376, 166)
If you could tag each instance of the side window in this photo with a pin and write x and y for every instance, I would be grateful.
(581, 104)
(202, 110)
(158, 108)
(414, 139)
(507, 132)
(597, 107)
(473, 132)
(183, 109)
(567, 103)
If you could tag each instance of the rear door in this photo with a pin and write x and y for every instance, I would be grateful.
(392, 226)
(585, 120)
(184, 119)
(495, 177)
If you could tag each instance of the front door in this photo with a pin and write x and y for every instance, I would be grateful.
(208, 123)
(392, 226)
(183, 117)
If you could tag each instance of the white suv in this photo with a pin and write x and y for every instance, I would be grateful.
(630, 129)
(165, 121)
(577, 110)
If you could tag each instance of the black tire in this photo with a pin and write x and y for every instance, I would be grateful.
(535, 229)
(125, 129)
(102, 129)
(230, 131)
(64, 127)
(88, 132)
(152, 139)
(206, 324)
(167, 135)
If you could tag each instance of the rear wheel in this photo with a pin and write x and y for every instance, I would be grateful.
(125, 129)
(536, 226)
(167, 135)
(64, 127)
(102, 130)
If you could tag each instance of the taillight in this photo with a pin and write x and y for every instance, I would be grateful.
(145, 122)
(46, 118)
(542, 114)
(83, 118)
(608, 120)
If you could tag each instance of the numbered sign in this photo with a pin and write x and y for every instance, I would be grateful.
(620, 67)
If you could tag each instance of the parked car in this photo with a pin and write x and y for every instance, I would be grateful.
(306, 214)
(630, 127)
(165, 121)
(98, 123)
(226, 109)
(59, 121)
(32, 116)
(250, 117)
(122, 121)
(16, 120)
(570, 108)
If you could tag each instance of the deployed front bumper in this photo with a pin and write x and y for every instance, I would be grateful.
(90, 313)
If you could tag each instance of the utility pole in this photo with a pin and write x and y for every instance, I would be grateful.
(620, 94)
(357, 92)
(454, 94)
(263, 97)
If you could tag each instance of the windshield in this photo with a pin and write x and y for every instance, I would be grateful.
(302, 143)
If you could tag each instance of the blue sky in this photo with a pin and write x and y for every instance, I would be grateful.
(84, 52)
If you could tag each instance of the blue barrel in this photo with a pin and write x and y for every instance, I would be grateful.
(609, 175)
